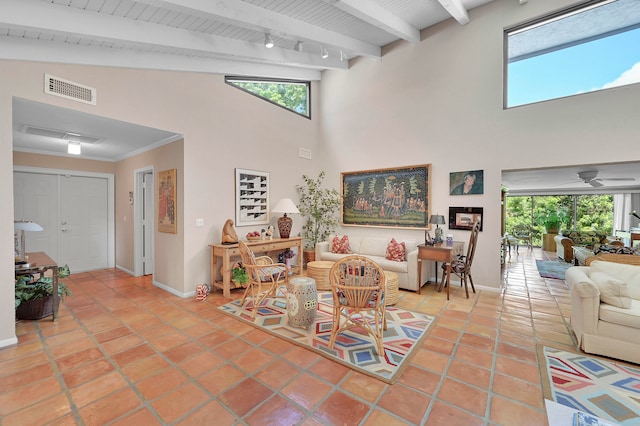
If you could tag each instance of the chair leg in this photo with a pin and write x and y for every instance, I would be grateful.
(471, 281)
(466, 287)
(336, 324)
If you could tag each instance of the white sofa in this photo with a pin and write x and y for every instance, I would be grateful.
(604, 328)
(375, 249)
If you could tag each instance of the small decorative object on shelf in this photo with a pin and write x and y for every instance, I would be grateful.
(253, 236)
(288, 254)
(449, 240)
(229, 235)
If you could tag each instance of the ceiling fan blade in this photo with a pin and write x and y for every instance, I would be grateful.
(619, 179)
(595, 183)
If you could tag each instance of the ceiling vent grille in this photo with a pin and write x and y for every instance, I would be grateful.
(68, 89)
(60, 134)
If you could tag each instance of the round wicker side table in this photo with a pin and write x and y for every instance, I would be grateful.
(319, 271)
(391, 294)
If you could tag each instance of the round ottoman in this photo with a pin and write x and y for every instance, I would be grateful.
(319, 271)
(391, 293)
(302, 301)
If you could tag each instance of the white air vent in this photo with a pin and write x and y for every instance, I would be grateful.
(68, 89)
(59, 134)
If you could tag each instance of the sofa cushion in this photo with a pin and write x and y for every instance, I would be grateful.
(629, 274)
(627, 317)
(373, 247)
(612, 291)
(395, 251)
(340, 245)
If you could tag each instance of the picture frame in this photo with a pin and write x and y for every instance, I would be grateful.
(464, 217)
(167, 202)
(387, 198)
(468, 182)
(252, 197)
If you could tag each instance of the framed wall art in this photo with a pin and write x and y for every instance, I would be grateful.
(390, 198)
(466, 183)
(167, 202)
(464, 217)
(252, 197)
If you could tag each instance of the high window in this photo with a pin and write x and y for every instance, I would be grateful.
(290, 94)
(589, 47)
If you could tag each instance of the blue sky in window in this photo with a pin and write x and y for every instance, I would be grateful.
(600, 64)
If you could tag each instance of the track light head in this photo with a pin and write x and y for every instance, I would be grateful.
(324, 53)
(342, 56)
(268, 41)
(298, 46)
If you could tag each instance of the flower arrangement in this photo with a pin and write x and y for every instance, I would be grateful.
(288, 253)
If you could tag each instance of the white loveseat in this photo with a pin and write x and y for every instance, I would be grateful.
(603, 328)
(375, 249)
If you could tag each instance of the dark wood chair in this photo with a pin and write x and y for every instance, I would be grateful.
(461, 267)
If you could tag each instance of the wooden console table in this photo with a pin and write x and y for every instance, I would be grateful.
(438, 253)
(40, 263)
(227, 251)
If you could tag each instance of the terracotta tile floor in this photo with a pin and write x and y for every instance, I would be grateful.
(125, 352)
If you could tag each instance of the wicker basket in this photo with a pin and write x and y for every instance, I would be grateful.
(35, 309)
(391, 294)
(319, 271)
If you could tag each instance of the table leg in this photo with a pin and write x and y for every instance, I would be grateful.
(226, 276)
(448, 278)
(56, 297)
(419, 274)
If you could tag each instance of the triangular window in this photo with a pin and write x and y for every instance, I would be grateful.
(290, 94)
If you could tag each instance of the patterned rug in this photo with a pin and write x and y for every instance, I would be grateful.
(353, 348)
(596, 386)
(552, 268)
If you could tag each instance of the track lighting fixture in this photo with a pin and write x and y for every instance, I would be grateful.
(298, 46)
(268, 41)
(324, 53)
(342, 56)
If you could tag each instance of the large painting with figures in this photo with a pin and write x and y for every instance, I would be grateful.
(389, 198)
(167, 207)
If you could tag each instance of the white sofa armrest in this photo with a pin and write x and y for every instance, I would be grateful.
(585, 301)
(322, 246)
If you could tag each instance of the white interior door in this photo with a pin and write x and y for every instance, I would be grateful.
(147, 223)
(36, 199)
(83, 223)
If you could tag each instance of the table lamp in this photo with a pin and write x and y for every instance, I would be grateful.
(285, 223)
(438, 220)
(24, 225)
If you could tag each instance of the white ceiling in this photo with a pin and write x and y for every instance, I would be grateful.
(222, 37)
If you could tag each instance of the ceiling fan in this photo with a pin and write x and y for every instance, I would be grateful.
(590, 177)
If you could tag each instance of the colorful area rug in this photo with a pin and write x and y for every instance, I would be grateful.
(602, 388)
(552, 268)
(353, 348)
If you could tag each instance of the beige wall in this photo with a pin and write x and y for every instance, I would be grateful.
(167, 247)
(440, 102)
(27, 159)
(223, 128)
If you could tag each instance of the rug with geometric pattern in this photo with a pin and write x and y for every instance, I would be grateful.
(603, 388)
(353, 348)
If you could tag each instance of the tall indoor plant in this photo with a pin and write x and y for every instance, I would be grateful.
(319, 208)
(553, 220)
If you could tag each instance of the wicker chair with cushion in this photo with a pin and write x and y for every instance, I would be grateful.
(523, 233)
(264, 276)
(358, 287)
(462, 266)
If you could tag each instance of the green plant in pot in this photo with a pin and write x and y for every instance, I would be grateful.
(319, 207)
(239, 275)
(553, 220)
(33, 299)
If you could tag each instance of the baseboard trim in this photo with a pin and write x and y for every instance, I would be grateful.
(8, 342)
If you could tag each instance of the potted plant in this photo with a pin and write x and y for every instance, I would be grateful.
(552, 220)
(239, 275)
(319, 208)
(34, 300)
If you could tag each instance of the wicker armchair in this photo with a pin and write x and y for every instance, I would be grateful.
(358, 287)
(264, 276)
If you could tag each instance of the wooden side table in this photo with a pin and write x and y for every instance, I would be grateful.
(438, 253)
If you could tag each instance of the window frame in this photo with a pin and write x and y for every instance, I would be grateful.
(229, 79)
(548, 18)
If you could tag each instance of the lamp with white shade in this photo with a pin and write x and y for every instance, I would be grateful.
(285, 205)
(24, 225)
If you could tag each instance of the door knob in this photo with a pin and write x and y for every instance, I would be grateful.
(64, 230)
(63, 223)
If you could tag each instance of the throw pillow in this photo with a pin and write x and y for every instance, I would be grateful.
(396, 251)
(612, 291)
(340, 245)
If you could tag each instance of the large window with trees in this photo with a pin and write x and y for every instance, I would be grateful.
(289, 94)
(575, 212)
